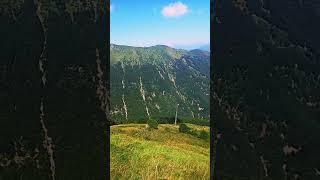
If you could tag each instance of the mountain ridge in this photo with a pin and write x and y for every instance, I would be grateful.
(157, 78)
(201, 48)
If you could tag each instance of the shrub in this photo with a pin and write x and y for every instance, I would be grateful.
(168, 120)
(193, 132)
(183, 128)
(152, 124)
(204, 135)
(201, 122)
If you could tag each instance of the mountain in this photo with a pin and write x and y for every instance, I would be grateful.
(265, 99)
(150, 82)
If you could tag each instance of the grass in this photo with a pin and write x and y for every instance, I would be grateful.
(164, 153)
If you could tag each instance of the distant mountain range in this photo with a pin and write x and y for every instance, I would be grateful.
(205, 47)
(150, 82)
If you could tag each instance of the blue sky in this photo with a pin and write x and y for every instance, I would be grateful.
(179, 24)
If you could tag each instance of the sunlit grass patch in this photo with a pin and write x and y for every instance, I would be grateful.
(164, 153)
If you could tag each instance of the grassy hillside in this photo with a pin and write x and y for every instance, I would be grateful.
(164, 153)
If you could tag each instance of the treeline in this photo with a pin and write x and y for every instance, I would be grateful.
(164, 120)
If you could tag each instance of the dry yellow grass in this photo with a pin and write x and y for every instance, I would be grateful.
(165, 153)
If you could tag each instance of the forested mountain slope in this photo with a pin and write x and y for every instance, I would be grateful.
(150, 82)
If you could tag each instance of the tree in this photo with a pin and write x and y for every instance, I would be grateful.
(183, 128)
(204, 135)
(152, 123)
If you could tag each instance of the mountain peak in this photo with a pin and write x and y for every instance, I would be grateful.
(199, 52)
(144, 54)
(161, 46)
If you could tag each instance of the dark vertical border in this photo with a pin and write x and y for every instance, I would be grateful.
(43, 133)
(106, 27)
(212, 126)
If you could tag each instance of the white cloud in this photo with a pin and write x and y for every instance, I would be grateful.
(175, 9)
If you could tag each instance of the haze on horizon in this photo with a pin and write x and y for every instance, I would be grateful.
(143, 23)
